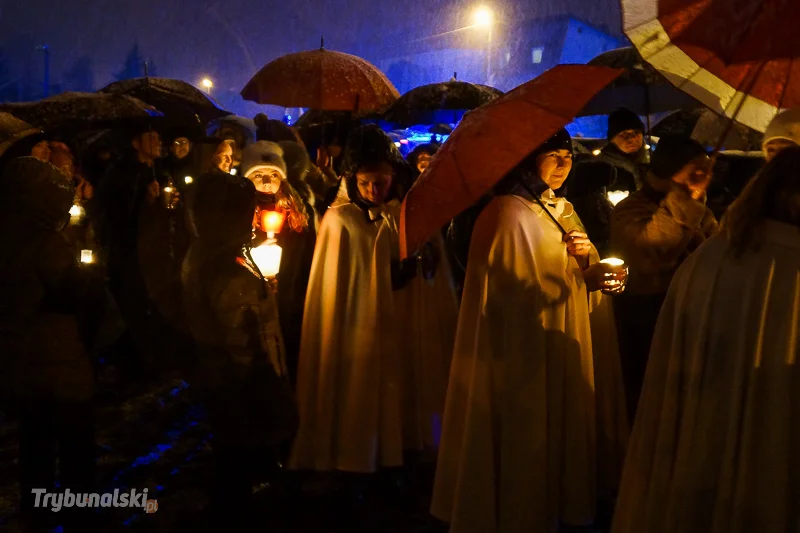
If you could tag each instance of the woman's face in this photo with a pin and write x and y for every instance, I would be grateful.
(554, 167)
(375, 183)
(267, 181)
(223, 159)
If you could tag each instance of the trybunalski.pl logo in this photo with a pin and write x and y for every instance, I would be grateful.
(58, 500)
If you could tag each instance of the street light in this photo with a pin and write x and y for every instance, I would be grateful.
(483, 17)
(207, 84)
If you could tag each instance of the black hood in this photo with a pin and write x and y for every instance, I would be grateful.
(35, 195)
(222, 209)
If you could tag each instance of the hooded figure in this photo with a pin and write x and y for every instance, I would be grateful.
(626, 150)
(234, 322)
(534, 422)
(716, 447)
(46, 325)
(782, 132)
(296, 237)
(348, 386)
(654, 230)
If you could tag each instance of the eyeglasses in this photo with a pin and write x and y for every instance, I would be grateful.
(180, 142)
(631, 135)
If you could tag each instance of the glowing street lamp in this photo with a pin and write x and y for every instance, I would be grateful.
(207, 84)
(483, 17)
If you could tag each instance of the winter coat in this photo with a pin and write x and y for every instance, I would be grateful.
(233, 318)
(631, 169)
(655, 229)
(46, 317)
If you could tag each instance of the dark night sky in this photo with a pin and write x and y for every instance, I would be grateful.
(229, 40)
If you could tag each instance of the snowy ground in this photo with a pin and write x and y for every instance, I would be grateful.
(155, 436)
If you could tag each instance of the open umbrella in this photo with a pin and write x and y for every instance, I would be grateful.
(323, 80)
(174, 98)
(439, 102)
(738, 57)
(706, 127)
(79, 110)
(12, 130)
(490, 142)
(640, 88)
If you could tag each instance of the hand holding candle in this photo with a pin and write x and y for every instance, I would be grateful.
(609, 276)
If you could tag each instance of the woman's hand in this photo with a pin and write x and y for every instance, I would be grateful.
(578, 244)
(609, 279)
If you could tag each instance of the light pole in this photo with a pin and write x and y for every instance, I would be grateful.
(207, 84)
(484, 18)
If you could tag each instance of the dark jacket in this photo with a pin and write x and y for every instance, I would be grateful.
(654, 230)
(47, 310)
(631, 168)
(587, 191)
(233, 318)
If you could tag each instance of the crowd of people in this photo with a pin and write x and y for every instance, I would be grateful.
(545, 386)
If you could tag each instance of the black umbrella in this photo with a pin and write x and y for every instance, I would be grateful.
(12, 130)
(80, 110)
(640, 88)
(174, 98)
(439, 103)
(707, 127)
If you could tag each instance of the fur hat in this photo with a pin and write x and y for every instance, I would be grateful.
(672, 154)
(262, 155)
(785, 126)
(622, 120)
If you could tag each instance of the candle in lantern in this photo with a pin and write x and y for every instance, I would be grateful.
(188, 180)
(87, 256)
(613, 261)
(615, 286)
(267, 258)
(76, 213)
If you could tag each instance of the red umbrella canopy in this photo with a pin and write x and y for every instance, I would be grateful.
(324, 80)
(723, 51)
(490, 142)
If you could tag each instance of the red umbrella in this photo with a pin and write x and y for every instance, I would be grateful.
(490, 142)
(738, 57)
(324, 80)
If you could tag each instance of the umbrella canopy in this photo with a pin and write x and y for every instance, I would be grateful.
(706, 127)
(737, 57)
(419, 105)
(640, 88)
(79, 110)
(174, 98)
(490, 142)
(323, 80)
(12, 130)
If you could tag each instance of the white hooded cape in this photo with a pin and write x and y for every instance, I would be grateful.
(716, 444)
(349, 378)
(519, 446)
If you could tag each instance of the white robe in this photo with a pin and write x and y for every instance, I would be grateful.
(349, 377)
(426, 316)
(518, 452)
(716, 443)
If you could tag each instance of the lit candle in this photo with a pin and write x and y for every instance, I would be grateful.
(87, 256)
(613, 261)
(188, 179)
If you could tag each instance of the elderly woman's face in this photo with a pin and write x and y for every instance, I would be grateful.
(554, 167)
(375, 183)
(223, 159)
(774, 147)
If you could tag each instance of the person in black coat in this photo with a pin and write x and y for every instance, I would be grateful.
(241, 374)
(49, 312)
(626, 150)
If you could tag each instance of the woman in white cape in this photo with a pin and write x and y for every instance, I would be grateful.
(519, 446)
(716, 443)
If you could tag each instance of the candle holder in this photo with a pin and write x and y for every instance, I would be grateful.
(613, 285)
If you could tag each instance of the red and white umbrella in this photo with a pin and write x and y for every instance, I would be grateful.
(741, 58)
